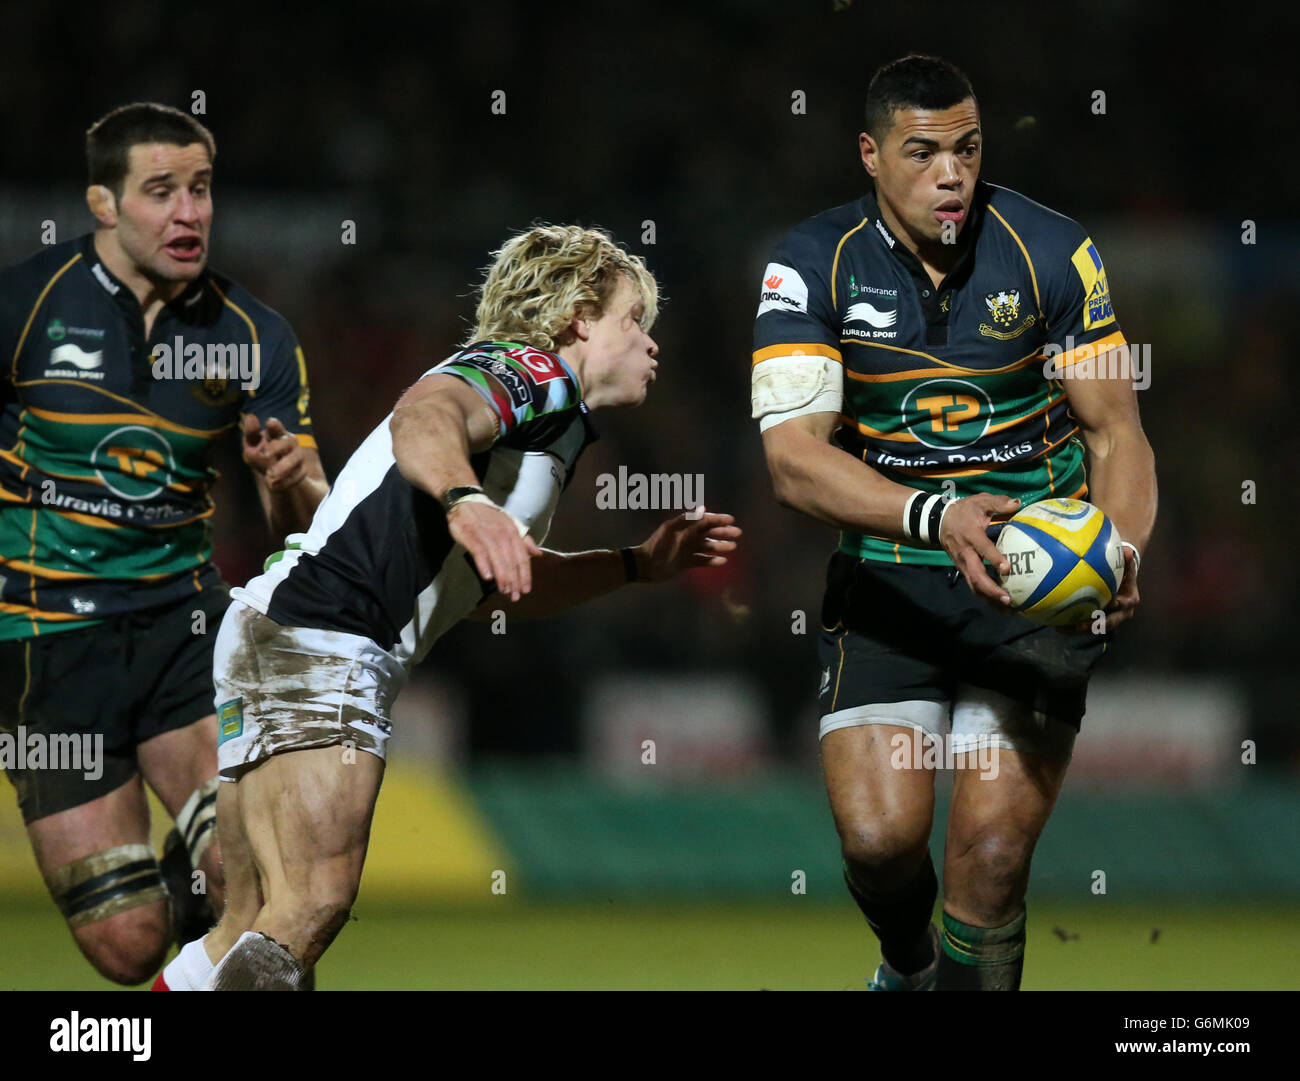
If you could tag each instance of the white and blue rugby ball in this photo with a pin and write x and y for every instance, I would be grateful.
(1066, 561)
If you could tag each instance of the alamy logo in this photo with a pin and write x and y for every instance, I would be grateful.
(867, 313)
(655, 491)
(121, 1034)
(80, 751)
(207, 362)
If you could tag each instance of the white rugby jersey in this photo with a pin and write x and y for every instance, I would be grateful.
(378, 560)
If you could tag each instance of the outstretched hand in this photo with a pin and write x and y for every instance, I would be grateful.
(684, 542)
(501, 554)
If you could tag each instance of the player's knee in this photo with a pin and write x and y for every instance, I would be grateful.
(129, 947)
(116, 906)
(883, 847)
(996, 858)
(315, 916)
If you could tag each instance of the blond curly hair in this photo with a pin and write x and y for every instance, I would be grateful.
(547, 276)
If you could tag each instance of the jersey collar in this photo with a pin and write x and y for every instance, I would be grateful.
(966, 240)
(117, 289)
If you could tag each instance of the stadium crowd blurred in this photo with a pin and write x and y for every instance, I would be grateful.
(682, 122)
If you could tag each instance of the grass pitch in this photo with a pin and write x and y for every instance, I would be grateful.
(791, 946)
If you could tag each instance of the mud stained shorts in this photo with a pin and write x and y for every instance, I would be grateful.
(911, 646)
(294, 688)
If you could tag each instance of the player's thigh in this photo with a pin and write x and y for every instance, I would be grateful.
(64, 705)
(1010, 765)
(303, 720)
(882, 702)
(176, 730)
(179, 761)
(306, 815)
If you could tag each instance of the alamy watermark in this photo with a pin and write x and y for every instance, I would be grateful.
(1128, 362)
(81, 751)
(209, 362)
(651, 491)
(924, 750)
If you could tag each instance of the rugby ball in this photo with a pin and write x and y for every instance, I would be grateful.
(1066, 561)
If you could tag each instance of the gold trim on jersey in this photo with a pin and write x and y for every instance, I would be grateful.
(53, 574)
(85, 519)
(835, 263)
(147, 420)
(27, 610)
(1023, 362)
(303, 392)
(22, 338)
(797, 349)
(1090, 349)
(900, 437)
(257, 378)
(1029, 262)
(172, 486)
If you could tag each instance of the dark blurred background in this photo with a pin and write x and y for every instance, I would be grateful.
(680, 115)
(671, 125)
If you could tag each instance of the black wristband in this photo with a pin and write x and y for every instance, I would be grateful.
(451, 495)
(629, 563)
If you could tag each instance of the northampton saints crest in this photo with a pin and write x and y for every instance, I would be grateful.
(1004, 307)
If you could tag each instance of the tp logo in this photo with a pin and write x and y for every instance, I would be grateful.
(947, 413)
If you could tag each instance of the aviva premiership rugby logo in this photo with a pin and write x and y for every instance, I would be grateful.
(1004, 308)
(1097, 310)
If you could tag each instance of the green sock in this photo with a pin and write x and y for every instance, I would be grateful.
(981, 958)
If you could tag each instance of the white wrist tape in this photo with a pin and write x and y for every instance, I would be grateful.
(923, 516)
(1137, 556)
(782, 388)
(479, 497)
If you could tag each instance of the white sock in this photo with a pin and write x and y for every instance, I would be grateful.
(190, 969)
(272, 958)
(212, 972)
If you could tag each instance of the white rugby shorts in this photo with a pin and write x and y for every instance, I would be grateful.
(976, 717)
(293, 688)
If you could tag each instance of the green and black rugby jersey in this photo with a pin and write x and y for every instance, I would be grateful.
(949, 383)
(105, 500)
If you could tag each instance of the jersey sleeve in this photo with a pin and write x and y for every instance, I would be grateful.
(282, 390)
(1076, 300)
(796, 316)
(519, 385)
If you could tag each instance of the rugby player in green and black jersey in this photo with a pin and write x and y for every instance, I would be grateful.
(122, 359)
(922, 342)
